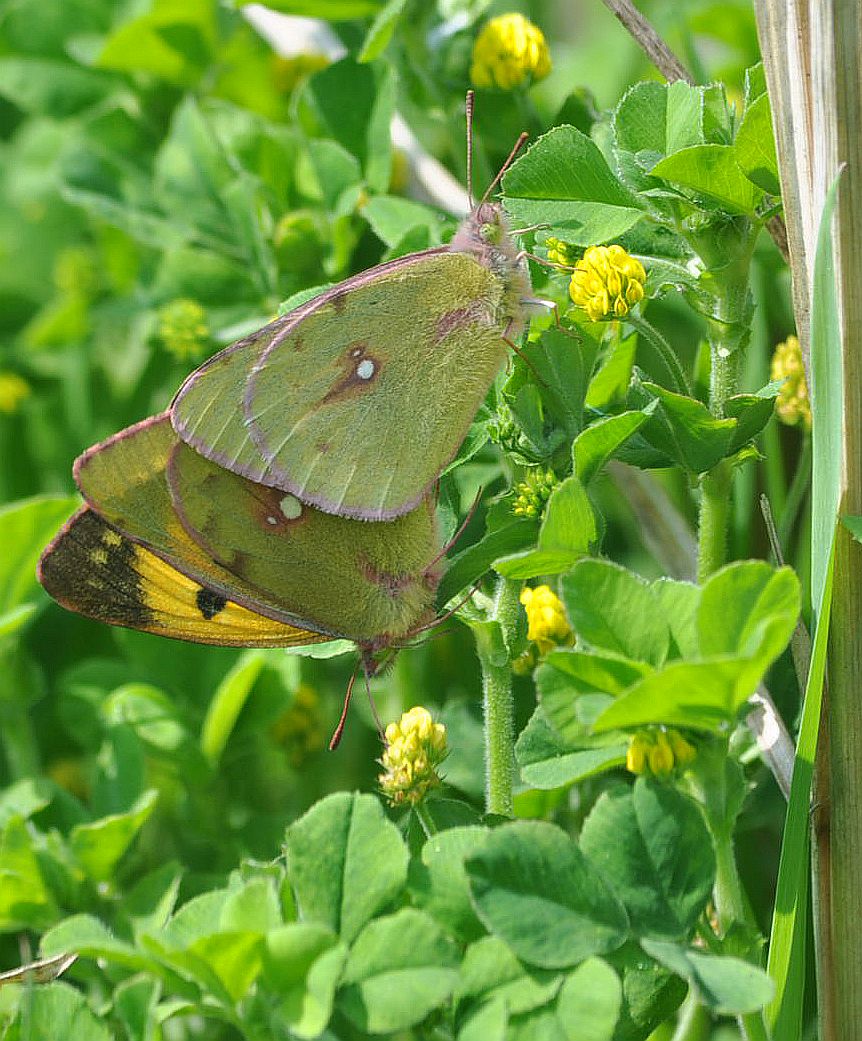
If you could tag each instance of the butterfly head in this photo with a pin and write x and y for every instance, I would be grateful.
(485, 234)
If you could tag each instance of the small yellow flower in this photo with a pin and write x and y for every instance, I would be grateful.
(607, 281)
(288, 73)
(13, 390)
(532, 494)
(547, 625)
(76, 271)
(183, 328)
(415, 747)
(559, 252)
(659, 752)
(510, 51)
(793, 405)
(300, 728)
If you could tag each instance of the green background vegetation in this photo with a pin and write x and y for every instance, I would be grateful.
(165, 185)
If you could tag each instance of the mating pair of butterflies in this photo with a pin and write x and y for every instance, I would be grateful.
(286, 497)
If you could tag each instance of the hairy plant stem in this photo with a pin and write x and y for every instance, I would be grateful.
(716, 485)
(713, 520)
(493, 640)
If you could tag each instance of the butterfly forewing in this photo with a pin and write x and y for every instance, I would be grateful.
(124, 480)
(92, 569)
(363, 396)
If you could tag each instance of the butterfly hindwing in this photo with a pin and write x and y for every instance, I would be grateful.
(92, 569)
(372, 578)
(258, 546)
(123, 479)
(361, 398)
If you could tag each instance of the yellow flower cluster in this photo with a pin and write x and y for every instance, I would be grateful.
(793, 405)
(288, 73)
(547, 625)
(659, 752)
(300, 728)
(559, 252)
(509, 52)
(415, 747)
(607, 281)
(13, 390)
(183, 328)
(532, 494)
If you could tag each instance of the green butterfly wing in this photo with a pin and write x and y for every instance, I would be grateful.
(261, 547)
(359, 399)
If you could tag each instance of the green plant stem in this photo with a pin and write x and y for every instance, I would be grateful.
(425, 819)
(716, 486)
(663, 349)
(799, 487)
(694, 1023)
(493, 640)
(17, 736)
(732, 907)
(713, 519)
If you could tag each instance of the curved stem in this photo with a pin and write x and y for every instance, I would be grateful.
(663, 349)
(425, 819)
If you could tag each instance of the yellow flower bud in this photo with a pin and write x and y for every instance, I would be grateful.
(547, 625)
(659, 752)
(559, 252)
(13, 390)
(660, 756)
(607, 281)
(183, 328)
(684, 753)
(509, 52)
(636, 756)
(533, 492)
(793, 405)
(415, 747)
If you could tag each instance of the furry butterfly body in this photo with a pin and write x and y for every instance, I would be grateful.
(357, 400)
(167, 536)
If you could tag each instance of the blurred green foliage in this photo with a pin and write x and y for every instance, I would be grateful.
(166, 183)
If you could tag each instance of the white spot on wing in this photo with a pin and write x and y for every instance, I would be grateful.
(365, 369)
(291, 507)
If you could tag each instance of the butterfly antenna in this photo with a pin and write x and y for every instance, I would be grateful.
(468, 110)
(445, 617)
(338, 733)
(519, 144)
(458, 533)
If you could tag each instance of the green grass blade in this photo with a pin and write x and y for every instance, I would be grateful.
(786, 963)
(789, 923)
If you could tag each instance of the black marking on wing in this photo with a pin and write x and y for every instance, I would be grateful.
(91, 569)
(209, 603)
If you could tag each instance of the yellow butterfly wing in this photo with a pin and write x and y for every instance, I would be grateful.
(92, 569)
